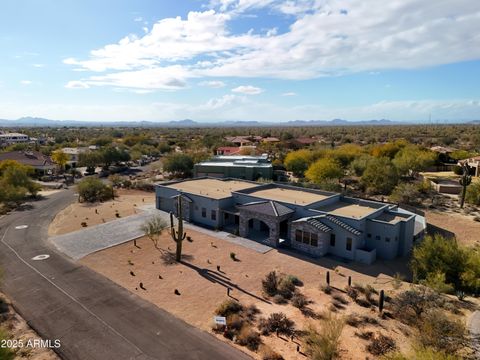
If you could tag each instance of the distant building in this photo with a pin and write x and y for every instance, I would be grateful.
(236, 150)
(473, 163)
(270, 140)
(7, 139)
(235, 166)
(304, 141)
(41, 163)
(74, 154)
(311, 221)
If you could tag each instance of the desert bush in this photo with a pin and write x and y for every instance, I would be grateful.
(229, 307)
(380, 345)
(279, 299)
(352, 293)
(327, 289)
(250, 312)
(286, 287)
(270, 283)
(324, 344)
(340, 299)
(235, 322)
(5, 353)
(365, 335)
(363, 303)
(249, 337)
(299, 300)
(92, 190)
(233, 256)
(267, 353)
(276, 322)
(408, 306)
(421, 353)
(442, 333)
(294, 280)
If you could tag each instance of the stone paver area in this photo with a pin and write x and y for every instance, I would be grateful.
(81, 243)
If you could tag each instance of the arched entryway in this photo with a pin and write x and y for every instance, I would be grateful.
(258, 230)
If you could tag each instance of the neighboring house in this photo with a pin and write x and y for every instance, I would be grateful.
(311, 221)
(304, 141)
(270, 140)
(41, 163)
(474, 164)
(7, 139)
(235, 166)
(239, 140)
(236, 150)
(73, 155)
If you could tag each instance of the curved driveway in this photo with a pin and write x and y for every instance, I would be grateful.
(93, 317)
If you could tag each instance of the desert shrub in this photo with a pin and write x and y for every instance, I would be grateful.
(380, 345)
(267, 353)
(279, 299)
(235, 322)
(294, 280)
(352, 293)
(92, 190)
(286, 287)
(327, 289)
(249, 337)
(365, 335)
(270, 283)
(340, 299)
(250, 312)
(356, 320)
(338, 305)
(229, 307)
(408, 306)
(299, 300)
(363, 303)
(276, 322)
(421, 353)
(436, 281)
(233, 256)
(324, 344)
(442, 333)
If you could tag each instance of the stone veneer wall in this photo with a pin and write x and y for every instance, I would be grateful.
(323, 239)
(272, 222)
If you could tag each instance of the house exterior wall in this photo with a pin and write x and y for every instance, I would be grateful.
(385, 237)
(323, 240)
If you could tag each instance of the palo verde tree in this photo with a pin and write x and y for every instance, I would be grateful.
(153, 228)
(178, 235)
(60, 158)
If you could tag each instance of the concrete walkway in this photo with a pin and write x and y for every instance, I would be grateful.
(474, 328)
(83, 242)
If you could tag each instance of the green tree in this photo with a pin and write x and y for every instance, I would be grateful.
(92, 190)
(90, 160)
(153, 229)
(411, 159)
(112, 155)
(60, 158)
(179, 165)
(298, 161)
(15, 181)
(380, 176)
(323, 170)
(406, 193)
(358, 165)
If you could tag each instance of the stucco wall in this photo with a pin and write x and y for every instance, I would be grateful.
(381, 232)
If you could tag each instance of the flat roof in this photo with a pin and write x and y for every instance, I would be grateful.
(212, 188)
(291, 196)
(343, 208)
(392, 218)
(234, 164)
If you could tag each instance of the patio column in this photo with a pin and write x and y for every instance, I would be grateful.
(243, 227)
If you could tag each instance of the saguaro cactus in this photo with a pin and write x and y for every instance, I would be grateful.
(178, 235)
(465, 180)
(328, 278)
(381, 301)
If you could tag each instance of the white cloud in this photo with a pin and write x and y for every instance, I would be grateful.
(248, 90)
(38, 65)
(26, 82)
(215, 84)
(289, 94)
(325, 38)
(138, 19)
(77, 85)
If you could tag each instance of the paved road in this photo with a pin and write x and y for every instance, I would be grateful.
(93, 317)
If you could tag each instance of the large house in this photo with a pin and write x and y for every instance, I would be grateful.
(235, 166)
(311, 221)
(42, 164)
(7, 139)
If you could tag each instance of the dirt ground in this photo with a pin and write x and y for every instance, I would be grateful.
(19, 330)
(465, 228)
(125, 204)
(202, 287)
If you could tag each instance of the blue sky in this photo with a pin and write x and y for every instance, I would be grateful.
(219, 60)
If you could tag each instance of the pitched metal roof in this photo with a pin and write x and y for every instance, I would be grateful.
(315, 222)
(343, 225)
(271, 208)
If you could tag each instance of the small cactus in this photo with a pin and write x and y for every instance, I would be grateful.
(465, 180)
(381, 301)
(328, 278)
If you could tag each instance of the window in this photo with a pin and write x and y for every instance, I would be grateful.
(377, 237)
(387, 239)
(349, 244)
(204, 212)
(306, 237)
(314, 240)
(369, 235)
(213, 215)
(332, 240)
(298, 235)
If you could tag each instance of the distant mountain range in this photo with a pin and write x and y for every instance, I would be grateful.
(187, 123)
